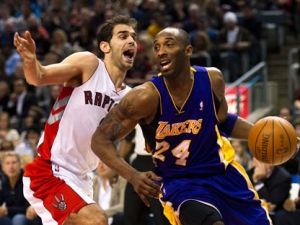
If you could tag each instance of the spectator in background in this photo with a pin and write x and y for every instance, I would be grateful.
(253, 23)
(290, 214)
(297, 126)
(241, 154)
(7, 36)
(148, 7)
(272, 184)
(5, 17)
(146, 41)
(190, 23)
(6, 131)
(98, 14)
(4, 95)
(50, 58)
(202, 25)
(19, 74)
(231, 5)
(214, 14)
(20, 101)
(133, 10)
(157, 23)
(83, 19)
(29, 145)
(296, 100)
(60, 44)
(289, 8)
(40, 36)
(108, 189)
(177, 9)
(12, 58)
(5, 146)
(34, 118)
(2, 68)
(23, 15)
(64, 9)
(205, 53)
(54, 19)
(14, 208)
(235, 40)
(287, 113)
(84, 40)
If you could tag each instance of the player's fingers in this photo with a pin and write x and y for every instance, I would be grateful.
(144, 199)
(28, 37)
(153, 176)
(16, 42)
(149, 188)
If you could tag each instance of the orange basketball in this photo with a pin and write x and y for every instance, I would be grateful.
(272, 140)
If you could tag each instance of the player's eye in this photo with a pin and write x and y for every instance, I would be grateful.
(156, 48)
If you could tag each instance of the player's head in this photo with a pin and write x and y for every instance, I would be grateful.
(172, 50)
(108, 29)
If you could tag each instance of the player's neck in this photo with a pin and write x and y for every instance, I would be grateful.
(117, 76)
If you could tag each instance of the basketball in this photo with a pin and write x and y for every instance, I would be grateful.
(272, 140)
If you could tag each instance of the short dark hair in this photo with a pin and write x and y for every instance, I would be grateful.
(105, 31)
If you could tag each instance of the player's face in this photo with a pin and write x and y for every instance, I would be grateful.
(169, 53)
(123, 46)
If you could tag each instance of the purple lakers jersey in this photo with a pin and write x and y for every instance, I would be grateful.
(188, 142)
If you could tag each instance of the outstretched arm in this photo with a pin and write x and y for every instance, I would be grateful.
(234, 127)
(78, 66)
(139, 103)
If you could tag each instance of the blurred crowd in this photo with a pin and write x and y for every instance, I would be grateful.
(62, 27)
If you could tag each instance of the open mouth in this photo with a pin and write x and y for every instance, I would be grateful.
(129, 54)
(165, 64)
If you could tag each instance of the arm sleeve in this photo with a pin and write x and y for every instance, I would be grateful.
(227, 126)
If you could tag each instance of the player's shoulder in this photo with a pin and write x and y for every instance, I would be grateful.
(216, 76)
(82, 58)
(213, 71)
(144, 93)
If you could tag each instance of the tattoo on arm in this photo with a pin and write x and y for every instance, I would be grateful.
(128, 109)
(113, 118)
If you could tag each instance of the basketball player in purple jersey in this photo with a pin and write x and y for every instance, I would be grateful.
(184, 116)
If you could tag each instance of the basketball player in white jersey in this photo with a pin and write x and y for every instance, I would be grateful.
(56, 183)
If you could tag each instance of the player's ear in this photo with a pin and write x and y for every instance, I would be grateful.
(104, 46)
(189, 50)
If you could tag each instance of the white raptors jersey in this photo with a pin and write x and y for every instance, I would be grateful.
(66, 140)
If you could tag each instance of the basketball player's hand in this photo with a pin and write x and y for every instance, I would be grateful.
(25, 46)
(144, 184)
